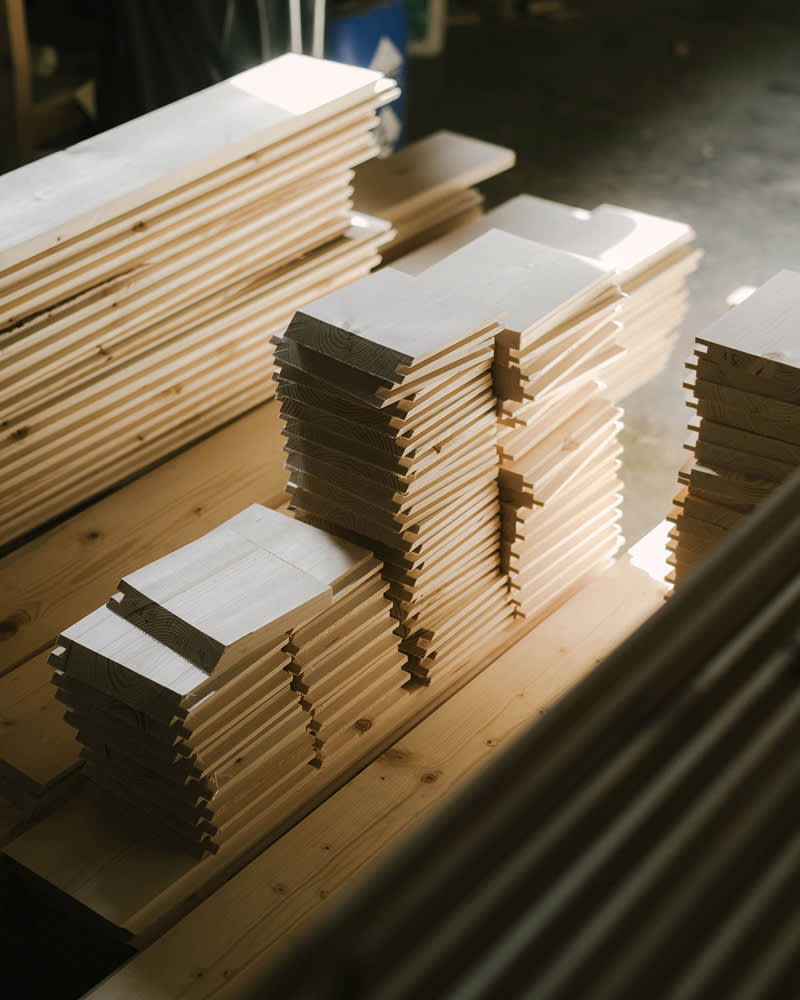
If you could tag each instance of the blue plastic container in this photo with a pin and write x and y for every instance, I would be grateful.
(375, 35)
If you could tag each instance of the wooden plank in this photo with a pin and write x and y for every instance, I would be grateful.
(647, 254)
(737, 438)
(219, 598)
(142, 884)
(536, 286)
(12, 821)
(617, 238)
(756, 405)
(422, 237)
(141, 452)
(228, 940)
(238, 301)
(756, 466)
(761, 333)
(71, 191)
(148, 227)
(142, 216)
(424, 171)
(785, 388)
(145, 294)
(146, 444)
(669, 682)
(384, 331)
(744, 384)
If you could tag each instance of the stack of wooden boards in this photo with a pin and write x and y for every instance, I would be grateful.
(746, 438)
(426, 189)
(186, 688)
(651, 258)
(639, 841)
(389, 391)
(143, 271)
(386, 389)
(557, 433)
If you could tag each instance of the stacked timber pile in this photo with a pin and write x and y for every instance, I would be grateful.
(557, 434)
(386, 388)
(143, 271)
(426, 189)
(746, 439)
(389, 394)
(651, 257)
(346, 661)
(186, 688)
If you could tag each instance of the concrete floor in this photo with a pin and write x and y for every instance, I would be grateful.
(690, 115)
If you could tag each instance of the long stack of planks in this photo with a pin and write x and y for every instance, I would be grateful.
(201, 691)
(640, 840)
(651, 257)
(427, 189)
(746, 437)
(389, 390)
(143, 271)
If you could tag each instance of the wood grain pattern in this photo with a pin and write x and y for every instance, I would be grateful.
(218, 599)
(62, 575)
(745, 390)
(425, 170)
(649, 255)
(344, 836)
(761, 337)
(137, 233)
(72, 191)
(117, 285)
(425, 188)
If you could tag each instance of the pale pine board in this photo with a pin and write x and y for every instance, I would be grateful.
(66, 193)
(762, 330)
(101, 253)
(619, 239)
(228, 940)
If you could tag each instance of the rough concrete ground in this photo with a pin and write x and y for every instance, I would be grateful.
(691, 114)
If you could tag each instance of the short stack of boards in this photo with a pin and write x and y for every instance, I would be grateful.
(390, 390)
(143, 271)
(216, 676)
(426, 189)
(746, 436)
(650, 256)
